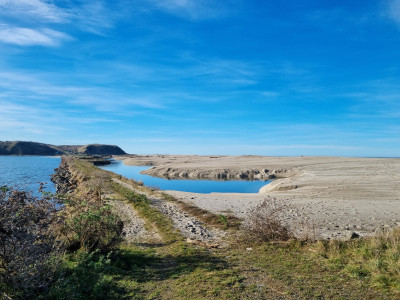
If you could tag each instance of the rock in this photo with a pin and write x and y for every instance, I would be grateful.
(63, 179)
(351, 235)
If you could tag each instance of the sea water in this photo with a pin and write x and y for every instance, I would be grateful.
(28, 172)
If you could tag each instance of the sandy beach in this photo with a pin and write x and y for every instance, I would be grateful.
(331, 196)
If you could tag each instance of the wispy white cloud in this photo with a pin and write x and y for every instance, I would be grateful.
(394, 10)
(27, 22)
(105, 101)
(95, 17)
(31, 37)
(378, 98)
(43, 89)
(26, 121)
(36, 9)
(195, 9)
(91, 120)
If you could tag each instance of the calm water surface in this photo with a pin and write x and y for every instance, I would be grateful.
(25, 172)
(186, 185)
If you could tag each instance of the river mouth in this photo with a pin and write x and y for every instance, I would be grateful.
(204, 186)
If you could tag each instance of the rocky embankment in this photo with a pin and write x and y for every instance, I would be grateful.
(63, 179)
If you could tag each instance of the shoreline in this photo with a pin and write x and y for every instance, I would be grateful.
(196, 185)
(334, 195)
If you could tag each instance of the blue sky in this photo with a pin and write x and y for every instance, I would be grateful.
(203, 77)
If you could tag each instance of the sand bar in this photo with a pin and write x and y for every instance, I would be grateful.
(334, 195)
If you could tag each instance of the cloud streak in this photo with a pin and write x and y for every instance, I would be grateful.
(32, 37)
(27, 22)
(95, 17)
(35, 9)
(394, 10)
(194, 9)
(41, 88)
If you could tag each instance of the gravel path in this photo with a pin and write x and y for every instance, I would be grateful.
(189, 226)
(134, 230)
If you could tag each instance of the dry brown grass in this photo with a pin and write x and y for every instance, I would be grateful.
(263, 222)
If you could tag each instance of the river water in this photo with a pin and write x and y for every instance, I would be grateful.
(26, 172)
(186, 185)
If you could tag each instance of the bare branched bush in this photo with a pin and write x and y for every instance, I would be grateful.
(27, 244)
(305, 230)
(263, 222)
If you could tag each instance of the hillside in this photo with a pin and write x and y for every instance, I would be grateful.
(27, 148)
(91, 149)
(34, 148)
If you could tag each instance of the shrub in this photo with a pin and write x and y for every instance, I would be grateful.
(90, 224)
(98, 184)
(27, 244)
(85, 276)
(263, 222)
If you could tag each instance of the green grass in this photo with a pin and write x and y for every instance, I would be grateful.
(171, 272)
(374, 260)
(222, 221)
(181, 271)
(142, 205)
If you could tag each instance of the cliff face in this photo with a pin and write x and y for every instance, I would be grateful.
(33, 148)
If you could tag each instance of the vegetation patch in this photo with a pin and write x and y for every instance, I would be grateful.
(142, 204)
(89, 224)
(374, 260)
(28, 245)
(223, 221)
(263, 223)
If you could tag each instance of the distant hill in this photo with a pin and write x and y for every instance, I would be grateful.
(27, 148)
(92, 149)
(33, 148)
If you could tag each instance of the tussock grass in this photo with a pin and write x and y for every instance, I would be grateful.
(374, 259)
